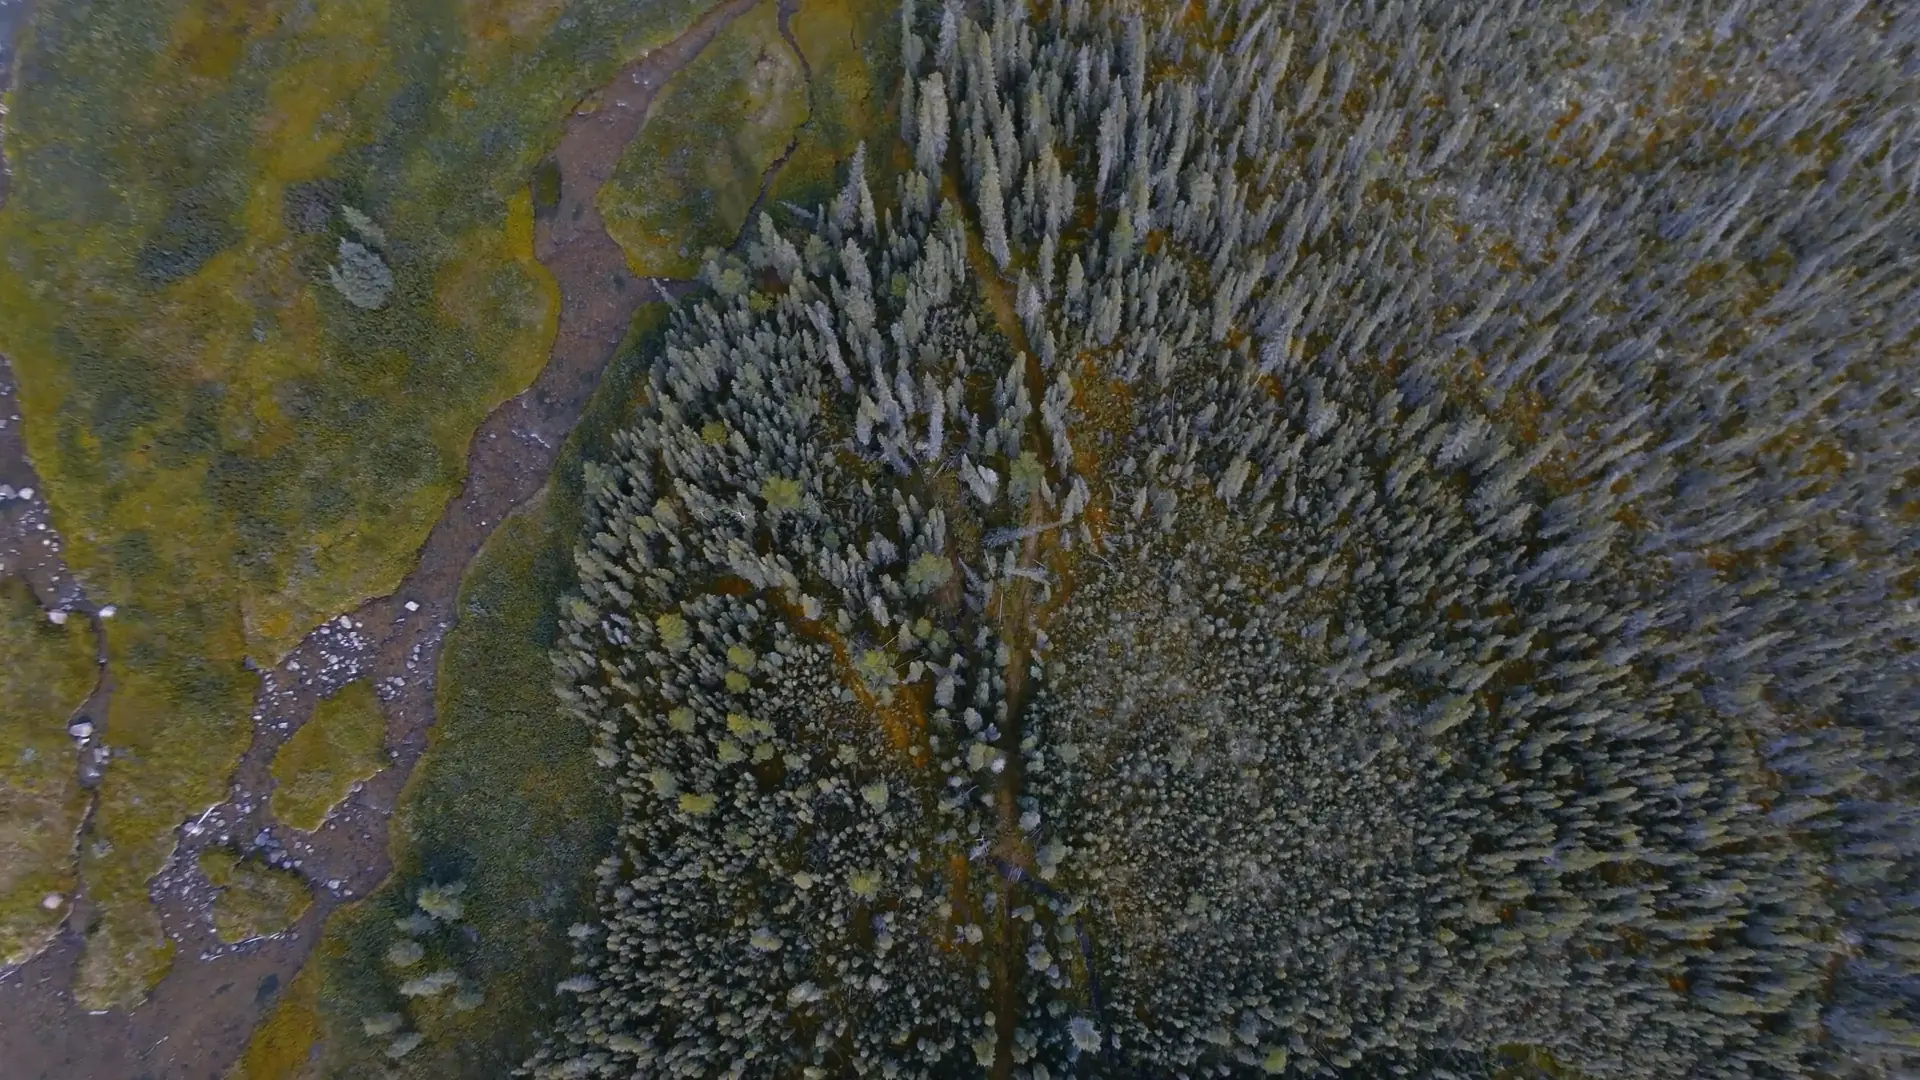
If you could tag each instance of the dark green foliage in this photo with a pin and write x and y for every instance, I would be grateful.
(308, 207)
(546, 186)
(1431, 577)
(501, 825)
(197, 227)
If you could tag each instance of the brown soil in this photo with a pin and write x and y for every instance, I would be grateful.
(198, 1020)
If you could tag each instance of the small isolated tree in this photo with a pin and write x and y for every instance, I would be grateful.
(362, 224)
(361, 276)
(431, 984)
(442, 901)
(927, 573)
(930, 153)
(993, 220)
(405, 953)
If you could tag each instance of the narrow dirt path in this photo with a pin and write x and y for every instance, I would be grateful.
(198, 1019)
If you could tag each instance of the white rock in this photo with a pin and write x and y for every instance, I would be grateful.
(81, 729)
(6, 492)
(411, 606)
(26, 494)
(52, 901)
(346, 623)
(108, 611)
(57, 618)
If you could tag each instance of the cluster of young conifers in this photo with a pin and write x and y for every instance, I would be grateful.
(1397, 542)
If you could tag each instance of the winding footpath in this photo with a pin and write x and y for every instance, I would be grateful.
(198, 1020)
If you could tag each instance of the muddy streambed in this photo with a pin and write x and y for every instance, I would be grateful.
(198, 1019)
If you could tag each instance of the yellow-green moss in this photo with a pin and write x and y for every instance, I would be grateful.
(1518, 1061)
(339, 745)
(254, 900)
(507, 800)
(232, 450)
(126, 950)
(282, 1045)
(689, 180)
(46, 671)
(852, 47)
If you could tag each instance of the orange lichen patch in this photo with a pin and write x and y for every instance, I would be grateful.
(1505, 255)
(1012, 847)
(903, 718)
(1105, 411)
(993, 288)
(1564, 121)
(959, 876)
(1722, 561)
(1825, 456)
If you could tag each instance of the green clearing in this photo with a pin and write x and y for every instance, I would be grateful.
(338, 746)
(499, 804)
(282, 1047)
(689, 180)
(853, 50)
(253, 900)
(234, 451)
(46, 671)
(507, 802)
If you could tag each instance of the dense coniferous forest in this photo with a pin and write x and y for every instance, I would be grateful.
(1317, 539)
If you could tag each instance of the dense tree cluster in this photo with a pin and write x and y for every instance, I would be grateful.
(1302, 539)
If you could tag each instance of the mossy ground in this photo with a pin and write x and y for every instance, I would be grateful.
(507, 800)
(282, 1047)
(339, 745)
(499, 803)
(853, 49)
(689, 180)
(232, 450)
(46, 671)
(253, 900)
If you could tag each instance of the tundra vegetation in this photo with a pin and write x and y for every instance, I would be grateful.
(46, 672)
(339, 746)
(251, 899)
(268, 266)
(493, 845)
(688, 180)
(497, 834)
(1318, 539)
(504, 802)
(764, 115)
